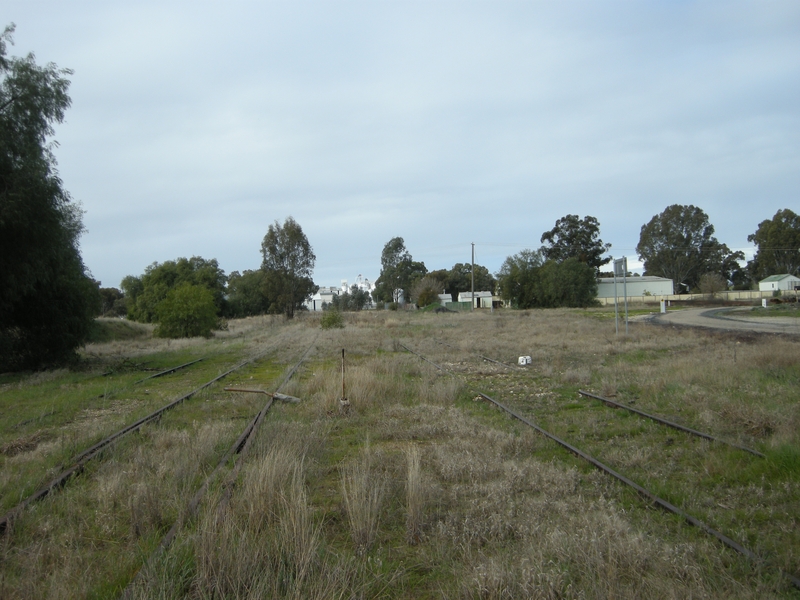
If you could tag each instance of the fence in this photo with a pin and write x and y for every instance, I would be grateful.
(733, 296)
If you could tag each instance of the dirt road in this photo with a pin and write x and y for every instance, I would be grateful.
(729, 319)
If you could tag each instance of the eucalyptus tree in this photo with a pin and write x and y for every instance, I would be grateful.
(245, 294)
(518, 278)
(460, 279)
(778, 243)
(399, 272)
(679, 244)
(47, 299)
(578, 238)
(288, 263)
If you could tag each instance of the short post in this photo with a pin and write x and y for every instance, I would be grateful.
(344, 403)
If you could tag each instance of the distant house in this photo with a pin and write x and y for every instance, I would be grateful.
(482, 299)
(775, 283)
(444, 299)
(323, 297)
(636, 286)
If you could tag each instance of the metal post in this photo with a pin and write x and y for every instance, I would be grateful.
(625, 289)
(621, 266)
(473, 276)
(616, 306)
(344, 403)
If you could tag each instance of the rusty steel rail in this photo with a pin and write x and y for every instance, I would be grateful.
(237, 447)
(670, 423)
(241, 446)
(418, 355)
(658, 501)
(79, 461)
(168, 371)
(635, 410)
(497, 362)
(275, 395)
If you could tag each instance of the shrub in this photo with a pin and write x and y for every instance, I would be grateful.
(712, 283)
(332, 319)
(187, 311)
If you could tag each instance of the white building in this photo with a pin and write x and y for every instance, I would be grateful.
(482, 299)
(636, 286)
(322, 298)
(775, 283)
(325, 295)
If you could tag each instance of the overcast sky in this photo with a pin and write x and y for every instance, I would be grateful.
(195, 125)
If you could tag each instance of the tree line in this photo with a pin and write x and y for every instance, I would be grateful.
(48, 299)
(191, 297)
(677, 244)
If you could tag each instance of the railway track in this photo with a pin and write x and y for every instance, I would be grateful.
(642, 491)
(78, 463)
(238, 451)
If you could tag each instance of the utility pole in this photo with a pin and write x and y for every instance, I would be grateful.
(473, 276)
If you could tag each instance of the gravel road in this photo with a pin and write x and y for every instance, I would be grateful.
(729, 319)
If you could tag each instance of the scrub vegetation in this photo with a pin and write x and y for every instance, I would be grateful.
(418, 489)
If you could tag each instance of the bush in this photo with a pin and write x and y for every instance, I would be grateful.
(712, 283)
(187, 311)
(332, 319)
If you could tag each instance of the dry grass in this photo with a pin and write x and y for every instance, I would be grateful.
(415, 496)
(449, 499)
(363, 490)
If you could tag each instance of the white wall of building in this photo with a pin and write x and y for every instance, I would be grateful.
(782, 283)
(636, 286)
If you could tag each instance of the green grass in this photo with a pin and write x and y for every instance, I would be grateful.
(504, 509)
(780, 310)
(110, 330)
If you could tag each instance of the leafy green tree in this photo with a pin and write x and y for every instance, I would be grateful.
(778, 242)
(459, 280)
(576, 237)
(112, 302)
(188, 310)
(152, 288)
(47, 299)
(245, 294)
(288, 262)
(353, 300)
(526, 280)
(398, 272)
(570, 283)
(132, 287)
(426, 291)
(387, 286)
(440, 275)
(518, 279)
(679, 244)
